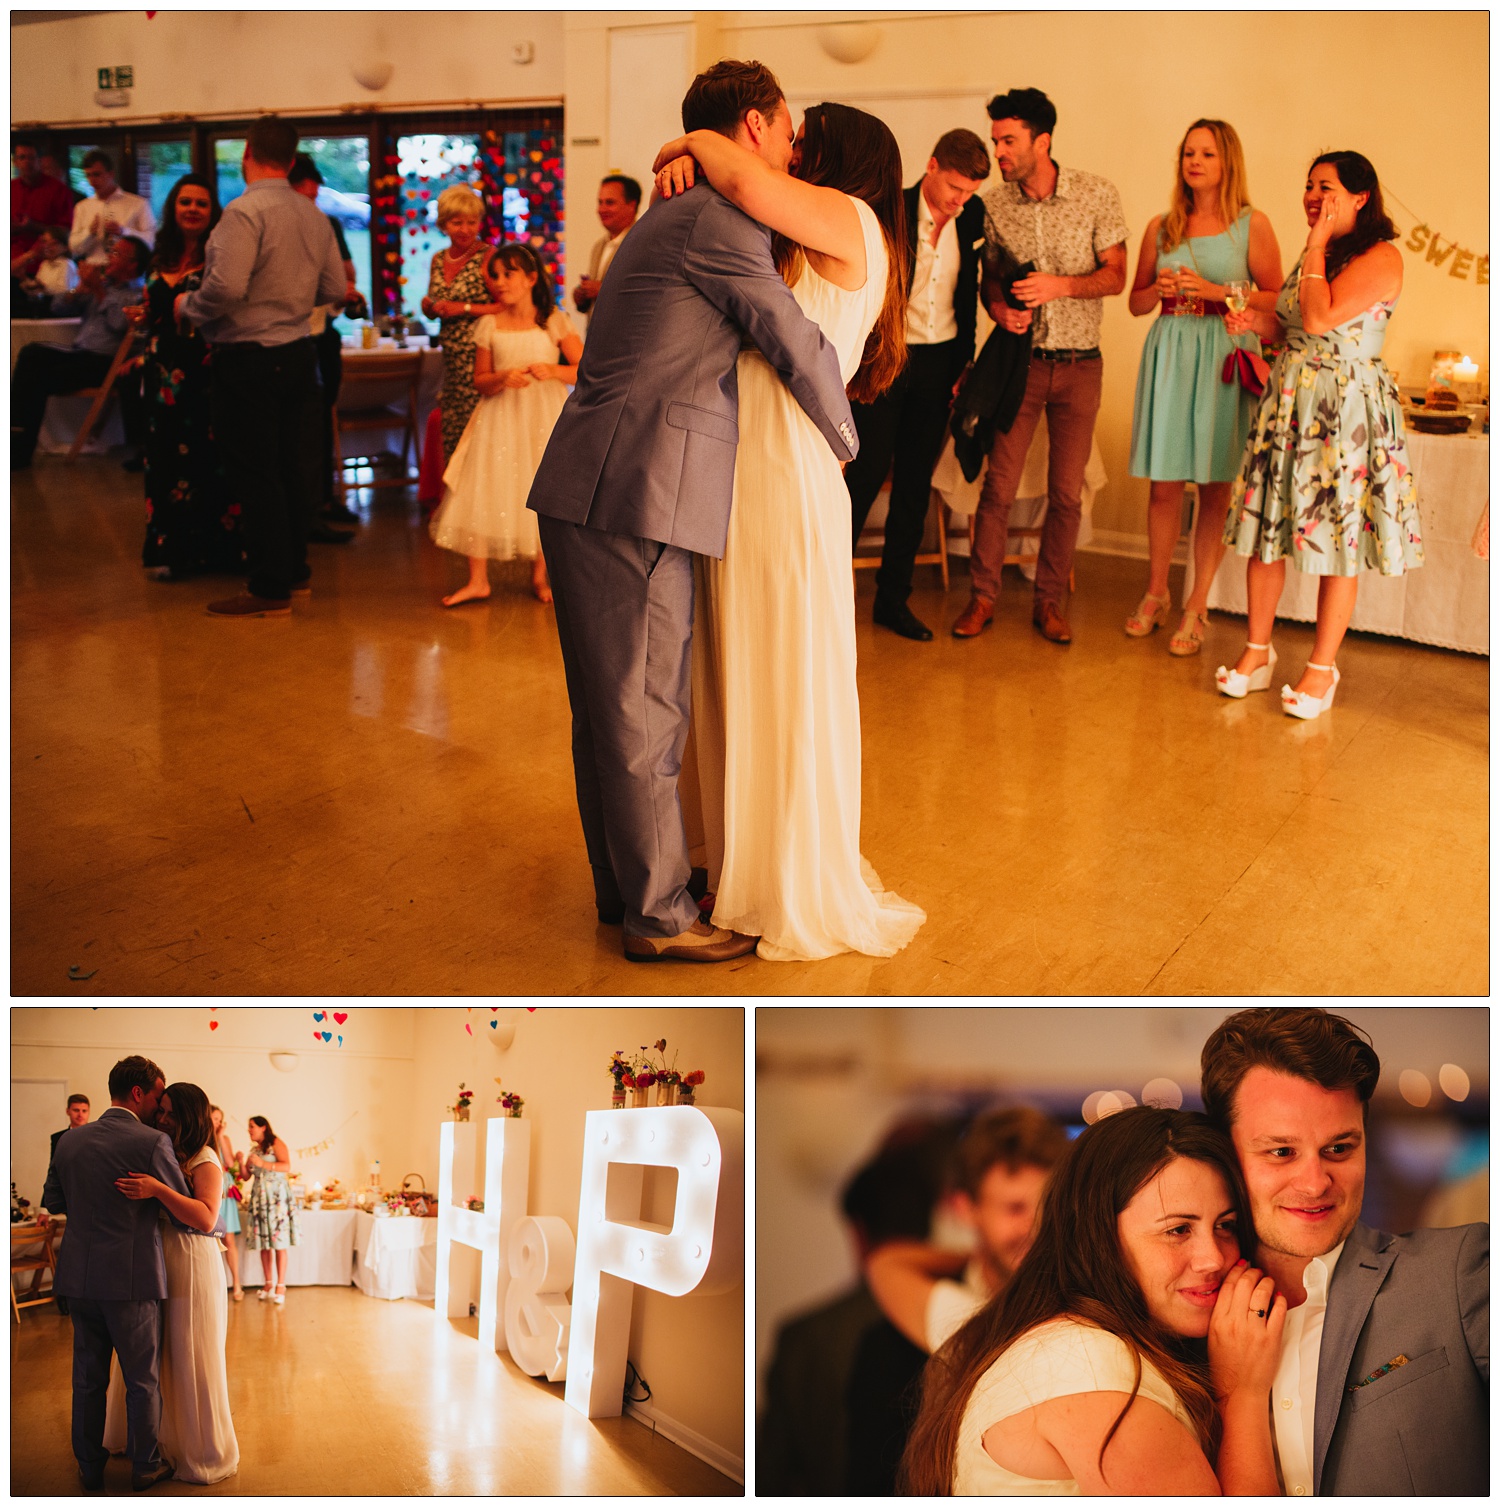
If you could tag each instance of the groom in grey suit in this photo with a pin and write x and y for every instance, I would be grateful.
(1383, 1383)
(110, 1267)
(638, 477)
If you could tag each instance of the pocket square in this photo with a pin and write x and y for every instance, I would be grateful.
(1378, 1372)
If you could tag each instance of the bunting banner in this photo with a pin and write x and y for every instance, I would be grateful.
(1441, 253)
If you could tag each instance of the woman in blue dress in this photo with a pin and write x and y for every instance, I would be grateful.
(228, 1227)
(1190, 425)
(1326, 481)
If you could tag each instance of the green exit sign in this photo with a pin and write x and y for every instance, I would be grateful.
(117, 78)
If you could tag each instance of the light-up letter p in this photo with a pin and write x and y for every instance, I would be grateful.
(704, 1251)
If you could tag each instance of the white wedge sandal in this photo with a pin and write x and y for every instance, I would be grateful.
(1232, 683)
(1300, 704)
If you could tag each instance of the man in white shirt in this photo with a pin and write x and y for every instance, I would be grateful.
(1383, 1382)
(907, 424)
(618, 204)
(100, 221)
(999, 1173)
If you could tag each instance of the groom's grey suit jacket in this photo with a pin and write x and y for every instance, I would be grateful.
(111, 1251)
(645, 445)
(1423, 1428)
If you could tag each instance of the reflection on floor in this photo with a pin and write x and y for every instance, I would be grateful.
(337, 1394)
(377, 795)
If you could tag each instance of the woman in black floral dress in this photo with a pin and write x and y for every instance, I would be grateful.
(459, 294)
(191, 525)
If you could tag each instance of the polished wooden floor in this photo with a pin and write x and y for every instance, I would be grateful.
(376, 795)
(337, 1394)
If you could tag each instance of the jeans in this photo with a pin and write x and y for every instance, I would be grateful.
(1069, 392)
(267, 407)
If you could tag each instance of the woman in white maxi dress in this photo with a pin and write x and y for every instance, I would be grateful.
(196, 1431)
(775, 701)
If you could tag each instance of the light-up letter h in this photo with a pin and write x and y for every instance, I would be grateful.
(704, 1251)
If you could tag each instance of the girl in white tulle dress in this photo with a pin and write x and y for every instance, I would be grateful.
(525, 358)
(775, 699)
(196, 1432)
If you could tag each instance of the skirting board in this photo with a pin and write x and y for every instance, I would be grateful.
(1108, 541)
(690, 1440)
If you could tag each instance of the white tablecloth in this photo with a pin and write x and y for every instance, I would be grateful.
(1030, 506)
(1447, 601)
(64, 416)
(395, 1257)
(322, 1257)
(429, 384)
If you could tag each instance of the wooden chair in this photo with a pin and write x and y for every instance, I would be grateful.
(938, 557)
(383, 370)
(100, 394)
(33, 1262)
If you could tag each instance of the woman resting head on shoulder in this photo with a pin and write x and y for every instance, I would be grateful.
(183, 1116)
(1091, 1367)
(839, 153)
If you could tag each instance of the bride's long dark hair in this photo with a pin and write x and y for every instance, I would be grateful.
(854, 152)
(190, 1111)
(1077, 1269)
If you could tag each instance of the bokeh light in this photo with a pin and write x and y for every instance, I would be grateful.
(1415, 1087)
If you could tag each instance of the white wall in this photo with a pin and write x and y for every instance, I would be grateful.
(395, 1074)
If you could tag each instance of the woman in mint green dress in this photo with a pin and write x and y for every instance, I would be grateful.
(1190, 425)
(1326, 481)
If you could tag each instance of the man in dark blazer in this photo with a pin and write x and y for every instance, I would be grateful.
(1383, 1383)
(78, 1114)
(945, 226)
(110, 1267)
(638, 477)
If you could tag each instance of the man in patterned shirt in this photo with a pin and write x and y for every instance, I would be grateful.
(1068, 225)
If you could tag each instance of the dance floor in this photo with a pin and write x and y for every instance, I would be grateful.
(376, 796)
(337, 1394)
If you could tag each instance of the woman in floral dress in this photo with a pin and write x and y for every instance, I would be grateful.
(272, 1221)
(1325, 480)
(459, 294)
(191, 524)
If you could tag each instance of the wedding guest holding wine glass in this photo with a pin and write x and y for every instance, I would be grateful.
(1198, 261)
(459, 295)
(1089, 1373)
(228, 1227)
(525, 359)
(1325, 480)
(272, 1215)
(192, 526)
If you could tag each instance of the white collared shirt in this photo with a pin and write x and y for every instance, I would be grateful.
(930, 319)
(950, 1305)
(123, 1110)
(607, 254)
(1294, 1393)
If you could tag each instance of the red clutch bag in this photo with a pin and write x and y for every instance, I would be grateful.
(1248, 368)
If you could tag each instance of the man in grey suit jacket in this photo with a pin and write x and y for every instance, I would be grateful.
(637, 478)
(110, 1267)
(1383, 1383)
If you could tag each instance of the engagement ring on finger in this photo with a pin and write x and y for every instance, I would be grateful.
(1259, 1313)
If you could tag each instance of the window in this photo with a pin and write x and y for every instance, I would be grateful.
(158, 165)
(229, 174)
(344, 162)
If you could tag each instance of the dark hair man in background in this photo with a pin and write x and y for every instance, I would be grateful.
(618, 204)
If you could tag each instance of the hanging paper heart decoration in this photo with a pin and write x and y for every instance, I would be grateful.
(340, 1016)
(320, 1016)
(493, 1024)
(341, 1041)
(316, 1036)
(327, 1035)
(213, 1025)
(468, 1028)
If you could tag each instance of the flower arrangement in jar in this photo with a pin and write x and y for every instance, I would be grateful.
(689, 1085)
(620, 1071)
(510, 1101)
(460, 1110)
(644, 1080)
(667, 1076)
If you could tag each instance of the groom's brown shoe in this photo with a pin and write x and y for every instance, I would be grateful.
(162, 1472)
(700, 943)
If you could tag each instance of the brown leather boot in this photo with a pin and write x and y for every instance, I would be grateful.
(975, 618)
(1050, 623)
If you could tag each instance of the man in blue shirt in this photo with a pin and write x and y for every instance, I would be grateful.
(270, 260)
(44, 371)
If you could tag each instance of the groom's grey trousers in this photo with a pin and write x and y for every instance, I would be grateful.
(625, 621)
(131, 1330)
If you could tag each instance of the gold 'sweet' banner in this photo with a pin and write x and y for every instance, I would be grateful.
(1463, 264)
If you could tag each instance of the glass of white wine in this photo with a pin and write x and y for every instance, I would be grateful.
(1237, 295)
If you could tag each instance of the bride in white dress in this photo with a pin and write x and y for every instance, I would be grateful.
(196, 1432)
(775, 699)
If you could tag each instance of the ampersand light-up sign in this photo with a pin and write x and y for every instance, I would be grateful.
(703, 1251)
(507, 1175)
(537, 1313)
